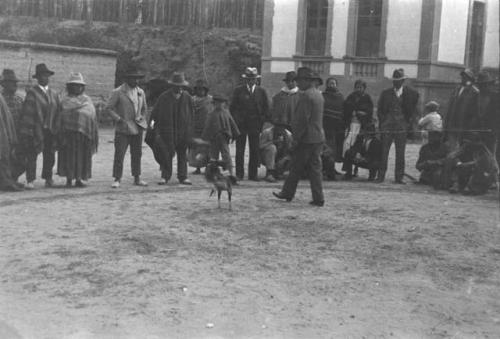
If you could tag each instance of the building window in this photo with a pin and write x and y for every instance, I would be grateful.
(368, 28)
(317, 17)
(475, 52)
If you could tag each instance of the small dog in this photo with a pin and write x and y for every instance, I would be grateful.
(213, 175)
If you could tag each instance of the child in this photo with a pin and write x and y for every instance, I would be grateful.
(219, 130)
(431, 121)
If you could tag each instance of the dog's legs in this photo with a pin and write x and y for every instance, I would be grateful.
(229, 193)
(211, 193)
(219, 192)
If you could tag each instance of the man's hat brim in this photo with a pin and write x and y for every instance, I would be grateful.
(246, 76)
(179, 84)
(36, 75)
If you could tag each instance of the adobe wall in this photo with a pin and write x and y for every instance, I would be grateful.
(97, 66)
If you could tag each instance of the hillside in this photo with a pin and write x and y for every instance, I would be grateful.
(219, 54)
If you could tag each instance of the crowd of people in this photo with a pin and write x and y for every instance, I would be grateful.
(299, 133)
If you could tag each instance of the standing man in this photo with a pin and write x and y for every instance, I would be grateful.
(13, 99)
(172, 118)
(396, 108)
(284, 102)
(127, 106)
(488, 109)
(308, 139)
(463, 111)
(250, 109)
(38, 127)
(203, 105)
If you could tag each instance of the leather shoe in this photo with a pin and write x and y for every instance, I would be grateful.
(185, 182)
(317, 203)
(280, 195)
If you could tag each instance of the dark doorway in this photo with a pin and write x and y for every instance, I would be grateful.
(476, 36)
(317, 17)
(368, 28)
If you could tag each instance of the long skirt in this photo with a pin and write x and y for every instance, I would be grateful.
(75, 157)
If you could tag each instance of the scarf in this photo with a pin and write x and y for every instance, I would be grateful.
(78, 115)
(8, 135)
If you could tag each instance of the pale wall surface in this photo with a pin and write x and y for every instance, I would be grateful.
(403, 29)
(339, 28)
(453, 31)
(284, 35)
(98, 70)
(491, 50)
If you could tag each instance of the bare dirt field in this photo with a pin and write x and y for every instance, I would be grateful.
(378, 261)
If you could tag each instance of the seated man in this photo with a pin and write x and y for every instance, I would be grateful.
(365, 153)
(473, 167)
(275, 143)
(431, 159)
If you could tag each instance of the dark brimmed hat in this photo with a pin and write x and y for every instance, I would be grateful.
(399, 74)
(9, 75)
(290, 76)
(432, 106)
(178, 79)
(42, 69)
(133, 72)
(468, 74)
(484, 77)
(200, 83)
(307, 73)
(219, 98)
(251, 73)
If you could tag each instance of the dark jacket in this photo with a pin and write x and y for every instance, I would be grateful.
(358, 102)
(463, 110)
(283, 105)
(219, 121)
(307, 120)
(409, 105)
(371, 152)
(240, 108)
(173, 118)
(333, 114)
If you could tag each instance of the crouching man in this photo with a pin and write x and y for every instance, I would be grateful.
(365, 153)
(219, 130)
(431, 159)
(275, 144)
(473, 167)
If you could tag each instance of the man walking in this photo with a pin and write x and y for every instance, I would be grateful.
(396, 108)
(38, 127)
(127, 106)
(250, 109)
(172, 118)
(308, 138)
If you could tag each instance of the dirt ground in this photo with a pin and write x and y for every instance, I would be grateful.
(378, 261)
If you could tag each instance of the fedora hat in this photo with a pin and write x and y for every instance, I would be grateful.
(484, 77)
(468, 74)
(9, 75)
(76, 78)
(200, 83)
(219, 98)
(307, 73)
(133, 72)
(250, 73)
(178, 79)
(399, 74)
(432, 106)
(42, 69)
(290, 76)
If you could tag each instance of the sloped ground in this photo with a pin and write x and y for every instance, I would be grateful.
(378, 261)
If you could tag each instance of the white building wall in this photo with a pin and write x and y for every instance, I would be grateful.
(403, 29)
(491, 52)
(339, 28)
(284, 35)
(453, 31)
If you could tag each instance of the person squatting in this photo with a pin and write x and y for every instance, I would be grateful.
(298, 133)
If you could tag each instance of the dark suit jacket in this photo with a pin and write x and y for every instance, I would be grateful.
(463, 110)
(409, 106)
(307, 119)
(240, 102)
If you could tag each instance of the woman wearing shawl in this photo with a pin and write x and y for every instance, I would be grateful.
(333, 125)
(78, 133)
(8, 139)
(358, 112)
(202, 102)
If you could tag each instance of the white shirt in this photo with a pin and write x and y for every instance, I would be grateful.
(431, 122)
(399, 91)
(133, 94)
(44, 88)
(251, 89)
